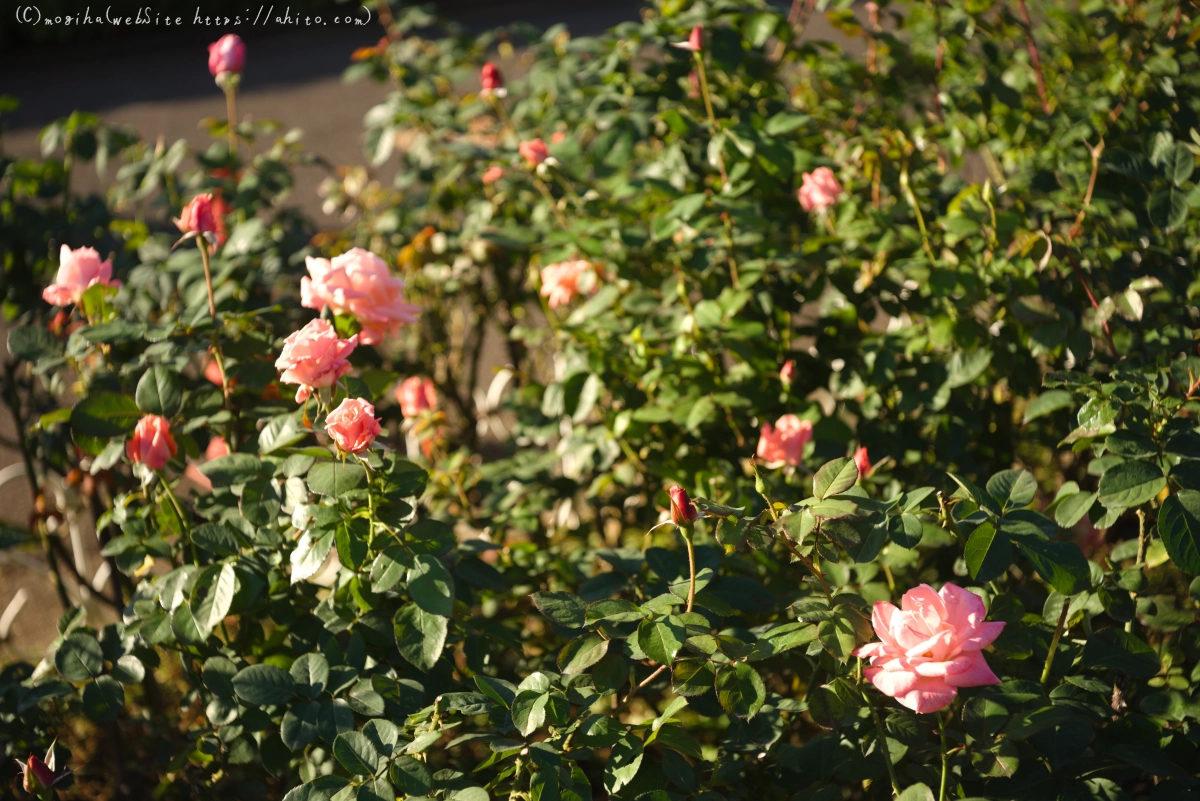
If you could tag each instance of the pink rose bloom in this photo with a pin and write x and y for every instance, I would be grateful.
(197, 216)
(77, 270)
(416, 395)
(785, 442)
(227, 54)
(695, 40)
(493, 174)
(217, 447)
(787, 372)
(820, 189)
(863, 462)
(930, 647)
(352, 425)
(534, 152)
(560, 282)
(151, 443)
(314, 357)
(683, 511)
(359, 283)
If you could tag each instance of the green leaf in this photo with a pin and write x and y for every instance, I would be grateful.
(356, 753)
(1130, 484)
(129, 670)
(79, 658)
(410, 776)
(300, 725)
(232, 468)
(420, 636)
(1073, 508)
(311, 670)
(216, 538)
(105, 415)
(564, 608)
(1168, 207)
(306, 792)
(581, 653)
(916, 792)
(1177, 163)
(1012, 489)
(834, 478)
(988, 553)
(389, 568)
(1118, 649)
(215, 606)
(740, 690)
(963, 368)
(623, 763)
(335, 479)
(350, 539)
(264, 685)
(1179, 527)
(159, 392)
(33, 343)
(1061, 564)
(661, 639)
(1048, 403)
(529, 711)
(431, 585)
(500, 691)
(838, 635)
(103, 699)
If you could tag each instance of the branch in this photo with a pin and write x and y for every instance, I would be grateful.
(1034, 57)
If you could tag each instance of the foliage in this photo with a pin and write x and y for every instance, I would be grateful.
(999, 308)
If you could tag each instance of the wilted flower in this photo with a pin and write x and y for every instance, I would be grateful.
(820, 189)
(314, 357)
(352, 425)
(930, 647)
(784, 443)
(151, 443)
(77, 270)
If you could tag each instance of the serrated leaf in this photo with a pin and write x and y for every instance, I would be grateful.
(215, 605)
(159, 392)
(834, 478)
(431, 585)
(1179, 527)
(662, 638)
(1073, 508)
(988, 553)
(356, 753)
(264, 685)
(740, 690)
(581, 653)
(420, 636)
(105, 415)
(1130, 484)
(334, 479)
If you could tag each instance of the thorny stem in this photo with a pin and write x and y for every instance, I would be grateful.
(202, 243)
(1034, 57)
(945, 755)
(1058, 631)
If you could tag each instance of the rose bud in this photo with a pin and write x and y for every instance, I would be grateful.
(151, 443)
(197, 217)
(352, 425)
(787, 373)
(534, 152)
(863, 462)
(491, 81)
(227, 55)
(37, 776)
(695, 40)
(683, 512)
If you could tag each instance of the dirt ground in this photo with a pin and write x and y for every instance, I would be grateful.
(161, 87)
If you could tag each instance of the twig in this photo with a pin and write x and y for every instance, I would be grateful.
(1034, 57)
(1058, 630)
(808, 563)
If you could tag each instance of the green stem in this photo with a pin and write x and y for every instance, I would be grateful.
(882, 734)
(691, 552)
(1058, 631)
(912, 199)
(231, 112)
(1141, 553)
(945, 755)
(187, 528)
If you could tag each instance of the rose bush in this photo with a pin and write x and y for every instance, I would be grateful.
(950, 282)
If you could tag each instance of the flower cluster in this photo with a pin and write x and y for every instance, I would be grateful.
(358, 283)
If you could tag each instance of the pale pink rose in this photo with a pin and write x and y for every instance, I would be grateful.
(217, 447)
(77, 270)
(785, 442)
(352, 425)
(787, 372)
(863, 462)
(227, 54)
(197, 217)
(151, 443)
(534, 152)
(560, 282)
(820, 189)
(695, 40)
(493, 174)
(930, 647)
(314, 357)
(359, 283)
(416, 395)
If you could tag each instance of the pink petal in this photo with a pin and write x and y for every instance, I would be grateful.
(930, 695)
(964, 609)
(975, 673)
(984, 635)
(894, 683)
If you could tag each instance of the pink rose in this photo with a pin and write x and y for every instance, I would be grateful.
(197, 216)
(930, 647)
(359, 283)
(314, 357)
(217, 447)
(416, 395)
(151, 443)
(77, 270)
(493, 174)
(695, 40)
(352, 425)
(560, 282)
(863, 462)
(534, 152)
(227, 54)
(491, 81)
(787, 372)
(558, 137)
(820, 189)
(785, 442)
(683, 511)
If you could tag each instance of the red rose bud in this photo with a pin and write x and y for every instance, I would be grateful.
(37, 775)
(683, 512)
(197, 217)
(490, 80)
(695, 40)
(863, 462)
(227, 54)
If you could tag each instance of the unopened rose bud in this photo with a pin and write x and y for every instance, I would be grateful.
(683, 512)
(695, 40)
(491, 80)
(37, 775)
(227, 55)
(197, 216)
(787, 373)
(863, 462)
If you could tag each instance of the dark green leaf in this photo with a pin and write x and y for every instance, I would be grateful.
(988, 553)
(264, 685)
(1179, 527)
(431, 585)
(420, 636)
(335, 479)
(105, 415)
(834, 478)
(581, 653)
(1130, 484)
(356, 753)
(740, 690)
(79, 658)
(159, 392)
